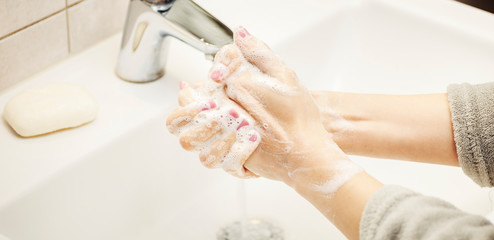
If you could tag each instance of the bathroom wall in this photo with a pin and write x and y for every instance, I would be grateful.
(37, 33)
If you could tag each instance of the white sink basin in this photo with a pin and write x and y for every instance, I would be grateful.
(125, 177)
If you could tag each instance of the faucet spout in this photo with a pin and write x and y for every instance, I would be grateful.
(150, 22)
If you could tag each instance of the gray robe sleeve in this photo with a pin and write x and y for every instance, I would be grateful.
(472, 113)
(398, 213)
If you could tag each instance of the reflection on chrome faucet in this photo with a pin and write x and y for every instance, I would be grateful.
(149, 24)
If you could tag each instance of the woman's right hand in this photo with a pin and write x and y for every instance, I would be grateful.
(294, 147)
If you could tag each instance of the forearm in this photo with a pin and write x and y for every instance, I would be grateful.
(337, 187)
(408, 127)
(345, 207)
(362, 208)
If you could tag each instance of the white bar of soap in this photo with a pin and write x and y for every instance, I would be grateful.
(50, 108)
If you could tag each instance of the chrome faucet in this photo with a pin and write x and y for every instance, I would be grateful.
(149, 24)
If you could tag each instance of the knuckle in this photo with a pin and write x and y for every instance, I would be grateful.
(186, 142)
(242, 78)
(173, 116)
(182, 102)
(291, 73)
(234, 64)
(227, 54)
(169, 120)
(209, 161)
(223, 52)
(184, 99)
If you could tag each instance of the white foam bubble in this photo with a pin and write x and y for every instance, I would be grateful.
(337, 121)
(327, 180)
(226, 123)
(342, 172)
(247, 138)
(264, 80)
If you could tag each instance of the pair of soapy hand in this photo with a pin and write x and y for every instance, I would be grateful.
(254, 118)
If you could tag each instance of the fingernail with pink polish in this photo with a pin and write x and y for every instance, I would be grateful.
(183, 85)
(243, 124)
(243, 33)
(253, 138)
(212, 104)
(216, 75)
(218, 72)
(233, 113)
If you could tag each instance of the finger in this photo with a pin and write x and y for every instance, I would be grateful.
(196, 137)
(244, 173)
(226, 62)
(240, 151)
(212, 157)
(254, 96)
(186, 95)
(260, 55)
(182, 116)
(264, 105)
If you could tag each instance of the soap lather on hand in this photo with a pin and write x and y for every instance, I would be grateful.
(213, 125)
(50, 108)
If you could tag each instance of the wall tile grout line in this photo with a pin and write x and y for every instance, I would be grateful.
(67, 6)
(31, 24)
(67, 24)
(73, 4)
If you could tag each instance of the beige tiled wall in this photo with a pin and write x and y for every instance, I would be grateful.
(37, 33)
(85, 30)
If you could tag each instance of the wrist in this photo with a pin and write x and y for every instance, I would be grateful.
(342, 115)
(322, 170)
